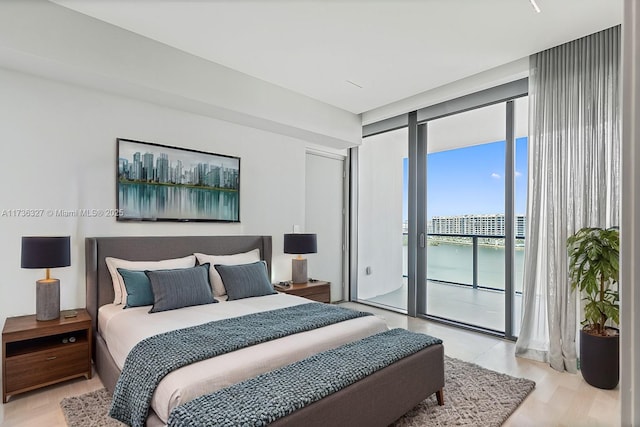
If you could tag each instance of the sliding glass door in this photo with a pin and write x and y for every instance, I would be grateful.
(441, 220)
(441, 211)
(466, 218)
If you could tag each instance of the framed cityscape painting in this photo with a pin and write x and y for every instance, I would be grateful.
(162, 183)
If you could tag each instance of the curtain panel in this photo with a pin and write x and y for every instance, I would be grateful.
(574, 182)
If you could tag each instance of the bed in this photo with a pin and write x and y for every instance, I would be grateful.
(378, 399)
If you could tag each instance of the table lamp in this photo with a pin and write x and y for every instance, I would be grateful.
(300, 243)
(46, 252)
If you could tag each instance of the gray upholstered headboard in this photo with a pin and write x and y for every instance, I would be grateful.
(99, 285)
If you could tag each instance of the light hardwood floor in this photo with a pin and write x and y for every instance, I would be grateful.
(559, 399)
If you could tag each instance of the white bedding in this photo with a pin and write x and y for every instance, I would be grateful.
(122, 329)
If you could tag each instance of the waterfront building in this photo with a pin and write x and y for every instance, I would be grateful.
(475, 224)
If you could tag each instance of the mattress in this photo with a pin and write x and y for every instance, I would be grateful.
(122, 329)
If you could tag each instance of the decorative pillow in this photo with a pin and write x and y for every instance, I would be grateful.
(235, 259)
(119, 289)
(138, 288)
(245, 280)
(180, 288)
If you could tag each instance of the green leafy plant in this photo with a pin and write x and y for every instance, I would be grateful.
(593, 269)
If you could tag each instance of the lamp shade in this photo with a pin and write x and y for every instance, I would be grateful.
(300, 243)
(45, 252)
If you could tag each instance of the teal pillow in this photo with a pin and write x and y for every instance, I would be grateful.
(139, 292)
(245, 280)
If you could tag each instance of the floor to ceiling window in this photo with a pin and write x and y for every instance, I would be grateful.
(444, 237)
(520, 203)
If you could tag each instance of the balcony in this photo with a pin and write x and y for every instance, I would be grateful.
(465, 280)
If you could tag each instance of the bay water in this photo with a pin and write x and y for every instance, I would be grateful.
(140, 200)
(452, 262)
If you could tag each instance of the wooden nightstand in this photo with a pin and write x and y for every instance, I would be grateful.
(34, 354)
(318, 291)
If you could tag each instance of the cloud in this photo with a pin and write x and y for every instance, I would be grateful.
(495, 175)
(518, 174)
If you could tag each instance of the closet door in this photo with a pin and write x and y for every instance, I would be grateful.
(324, 215)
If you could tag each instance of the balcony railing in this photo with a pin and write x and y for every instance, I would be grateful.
(475, 240)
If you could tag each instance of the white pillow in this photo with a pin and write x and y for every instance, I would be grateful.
(235, 259)
(113, 264)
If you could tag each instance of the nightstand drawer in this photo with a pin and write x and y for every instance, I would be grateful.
(322, 297)
(317, 291)
(47, 366)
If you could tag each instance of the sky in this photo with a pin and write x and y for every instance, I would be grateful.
(471, 180)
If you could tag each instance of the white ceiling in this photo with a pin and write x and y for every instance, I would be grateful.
(393, 49)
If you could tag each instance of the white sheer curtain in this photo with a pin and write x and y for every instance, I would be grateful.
(574, 169)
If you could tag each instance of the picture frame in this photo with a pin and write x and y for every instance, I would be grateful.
(156, 182)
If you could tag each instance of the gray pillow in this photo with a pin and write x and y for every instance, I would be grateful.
(245, 280)
(180, 288)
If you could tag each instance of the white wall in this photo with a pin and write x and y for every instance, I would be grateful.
(630, 224)
(380, 213)
(58, 151)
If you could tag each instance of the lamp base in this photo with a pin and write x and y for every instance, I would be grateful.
(47, 299)
(299, 270)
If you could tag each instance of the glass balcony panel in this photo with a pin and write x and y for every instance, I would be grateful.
(450, 260)
(491, 263)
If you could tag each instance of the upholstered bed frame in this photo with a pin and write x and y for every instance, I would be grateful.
(378, 399)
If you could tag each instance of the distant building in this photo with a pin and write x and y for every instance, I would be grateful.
(479, 225)
(167, 171)
(177, 173)
(123, 167)
(147, 167)
(136, 167)
(162, 168)
(521, 226)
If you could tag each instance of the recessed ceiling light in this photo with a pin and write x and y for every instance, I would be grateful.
(535, 5)
(355, 84)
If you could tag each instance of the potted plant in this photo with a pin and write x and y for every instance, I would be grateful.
(593, 269)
